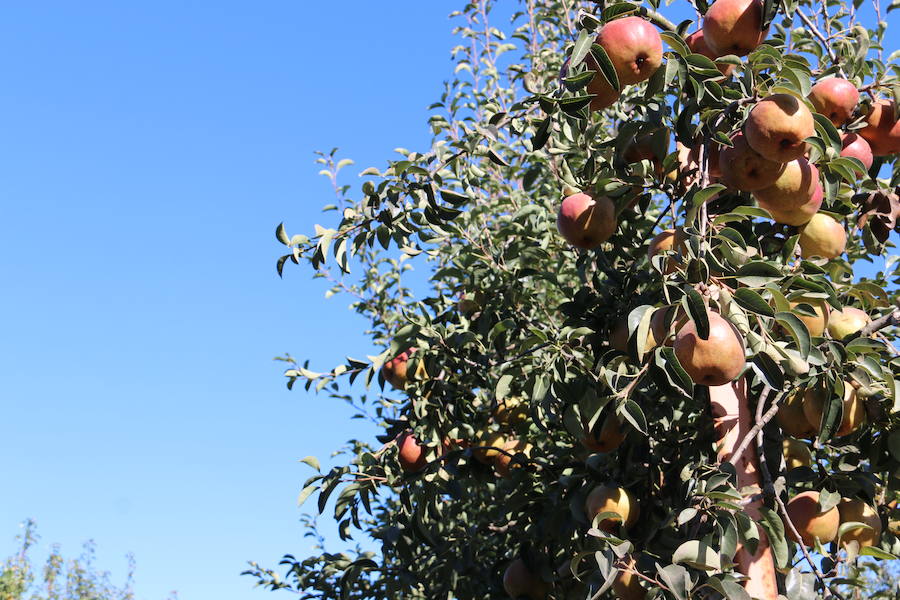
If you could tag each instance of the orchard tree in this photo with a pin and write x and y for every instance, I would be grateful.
(655, 356)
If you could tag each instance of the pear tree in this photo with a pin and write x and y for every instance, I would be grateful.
(654, 357)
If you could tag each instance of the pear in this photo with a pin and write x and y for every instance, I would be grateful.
(777, 127)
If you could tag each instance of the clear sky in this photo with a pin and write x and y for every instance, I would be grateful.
(148, 152)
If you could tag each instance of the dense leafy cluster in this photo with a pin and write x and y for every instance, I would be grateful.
(539, 403)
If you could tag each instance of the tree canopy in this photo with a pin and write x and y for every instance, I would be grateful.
(655, 355)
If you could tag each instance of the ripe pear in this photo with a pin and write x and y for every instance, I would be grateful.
(856, 510)
(520, 582)
(604, 94)
(792, 419)
(817, 323)
(847, 321)
(586, 221)
(745, 169)
(511, 411)
(412, 454)
(504, 462)
(634, 48)
(734, 26)
(836, 98)
(627, 585)
(604, 498)
(777, 127)
(796, 453)
(822, 236)
(799, 215)
(854, 412)
(882, 129)
(610, 436)
(795, 186)
(811, 523)
(666, 241)
(489, 444)
(714, 361)
(697, 43)
(856, 146)
(395, 370)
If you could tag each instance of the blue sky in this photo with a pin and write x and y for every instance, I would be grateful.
(148, 153)
(149, 150)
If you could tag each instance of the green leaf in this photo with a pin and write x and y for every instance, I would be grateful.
(541, 135)
(634, 415)
(677, 44)
(607, 70)
(877, 553)
(768, 370)
(758, 273)
(281, 235)
(797, 329)
(697, 554)
(572, 105)
(312, 461)
(752, 301)
(582, 48)
(694, 305)
(305, 493)
(774, 529)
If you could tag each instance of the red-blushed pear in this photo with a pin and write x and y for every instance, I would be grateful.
(395, 371)
(854, 412)
(605, 498)
(412, 454)
(857, 511)
(809, 519)
(734, 26)
(604, 94)
(856, 146)
(586, 221)
(816, 324)
(794, 187)
(697, 43)
(504, 461)
(669, 240)
(799, 215)
(791, 419)
(836, 98)
(796, 453)
(520, 582)
(777, 127)
(882, 129)
(717, 360)
(745, 169)
(847, 321)
(822, 236)
(634, 47)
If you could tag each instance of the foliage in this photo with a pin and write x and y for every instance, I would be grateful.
(513, 311)
(58, 579)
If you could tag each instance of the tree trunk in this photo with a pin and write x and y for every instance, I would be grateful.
(732, 421)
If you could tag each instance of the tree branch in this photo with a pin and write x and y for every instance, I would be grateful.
(888, 320)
